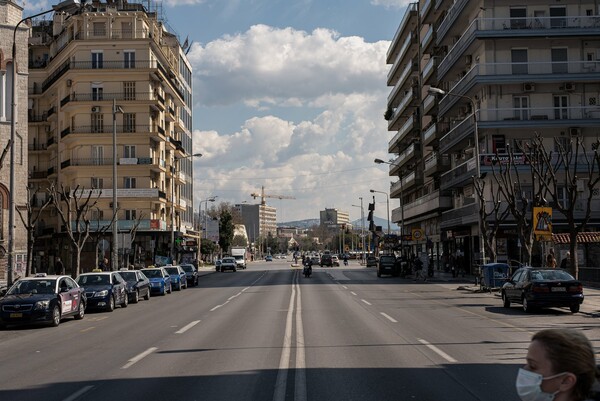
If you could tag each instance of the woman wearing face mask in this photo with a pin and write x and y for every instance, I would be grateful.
(560, 367)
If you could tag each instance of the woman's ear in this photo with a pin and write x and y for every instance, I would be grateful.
(568, 382)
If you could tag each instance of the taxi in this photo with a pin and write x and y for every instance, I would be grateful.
(42, 299)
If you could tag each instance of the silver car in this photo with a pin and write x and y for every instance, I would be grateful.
(228, 263)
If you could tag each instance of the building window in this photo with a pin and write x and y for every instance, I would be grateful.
(129, 122)
(561, 107)
(129, 151)
(126, 30)
(519, 61)
(97, 183)
(129, 182)
(97, 92)
(559, 61)
(97, 59)
(518, 17)
(129, 90)
(130, 214)
(498, 144)
(96, 215)
(521, 107)
(129, 59)
(97, 155)
(556, 13)
(97, 120)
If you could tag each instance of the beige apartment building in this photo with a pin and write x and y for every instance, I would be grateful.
(507, 71)
(113, 68)
(10, 15)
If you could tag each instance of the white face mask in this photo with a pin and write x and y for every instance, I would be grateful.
(529, 386)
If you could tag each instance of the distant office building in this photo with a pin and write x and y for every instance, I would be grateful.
(334, 218)
(260, 220)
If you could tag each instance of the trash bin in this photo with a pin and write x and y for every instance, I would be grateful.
(494, 274)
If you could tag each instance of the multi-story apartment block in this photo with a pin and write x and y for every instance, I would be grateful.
(113, 70)
(260, 221)
(333, 219)
(507, 71)
(10, 15)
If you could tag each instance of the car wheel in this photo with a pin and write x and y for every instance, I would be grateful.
(147, 296)
(111, 304)
(80, 312)
(574, 308)
(170, 290)
(178, 288)
(125, 300)
(526, 307)
(55, 316)
(136, 297)
(505, 300)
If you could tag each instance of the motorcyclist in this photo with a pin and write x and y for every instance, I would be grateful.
(345, 259)
(308, 267)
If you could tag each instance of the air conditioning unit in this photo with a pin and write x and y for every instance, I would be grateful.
(468, 59)
(96, 109)
(574, 131)
(69, 83)
(528, 87)
(569, 86)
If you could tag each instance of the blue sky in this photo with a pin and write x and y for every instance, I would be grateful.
(289, 94)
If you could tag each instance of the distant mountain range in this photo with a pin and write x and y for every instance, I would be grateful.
(308, 223)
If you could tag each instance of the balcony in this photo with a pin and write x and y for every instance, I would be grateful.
(108, 129)
(409, 127)
(430, 135)
(435, 164)
(407, 182)
(459, 176)
(427, 204)
(458, 136)
(414, 150)
(410, 70)
(426, 12)
(429, 71)
(430, 105)
(428, 40)
(462, 216)
(484, 28)
(36, 117)
(104, 96)
(128, 225)
(407, 51)
(404, 109)
(539, 117)
(409, 22)
(36, 147)
(107, 193)
(451, 17)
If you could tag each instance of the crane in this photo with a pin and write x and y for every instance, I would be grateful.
(262, 196)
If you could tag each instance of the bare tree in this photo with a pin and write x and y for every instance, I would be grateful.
(561, 173)
(134, 229)
(4, 152)
(30, 222)
(97, 234)
(73, 208)
(499, 213)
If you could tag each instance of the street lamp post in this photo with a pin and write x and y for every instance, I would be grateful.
(362, 226)
(173, 173)
(203, 222)
(388, 208)
(438, 91)
(67, 6)
(379, 161)
(115, 228)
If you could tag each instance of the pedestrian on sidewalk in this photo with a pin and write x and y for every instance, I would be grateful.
(560, 366)
(565, 263)
(59, 267)
(551, 260)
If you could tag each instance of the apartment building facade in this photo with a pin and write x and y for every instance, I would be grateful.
(333, 219)
(260, 221)
(113, 75)
(508, 71)
(10, 15)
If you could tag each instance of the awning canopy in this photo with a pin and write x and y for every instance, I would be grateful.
(582, 238)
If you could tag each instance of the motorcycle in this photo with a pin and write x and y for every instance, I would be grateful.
(345, 262)
(307, 271)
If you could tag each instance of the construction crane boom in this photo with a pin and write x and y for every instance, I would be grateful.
(262, 196)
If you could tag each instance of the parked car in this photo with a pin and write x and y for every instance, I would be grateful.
(371, 261)
(315, 260)
(268, 258)
(191, 273)
(326, 260)
(541, 288)
(104, 290)
(41, 299)
(228, 263)
(218, 265)
(160, 280)
(335, 260)
(178, 277)
(387, 265)
(138, 285)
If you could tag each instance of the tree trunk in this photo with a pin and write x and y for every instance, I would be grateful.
(30, 242)
(573, 267)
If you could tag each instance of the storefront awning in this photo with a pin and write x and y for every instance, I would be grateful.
(582, 238)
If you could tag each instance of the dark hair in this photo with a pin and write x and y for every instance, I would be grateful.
(570, 351)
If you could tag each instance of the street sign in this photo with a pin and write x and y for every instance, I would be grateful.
(417, 234)
(542, 221)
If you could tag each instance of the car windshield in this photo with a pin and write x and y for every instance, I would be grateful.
(387, 259)
(228, 260)
(550, 275)
(128, 276)
(32, 287)
(93, 279)
(188, 268)
(172, 270)
(153, 273)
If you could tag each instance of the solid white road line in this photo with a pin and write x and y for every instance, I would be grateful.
(300, 379)
(186, 328)
(78, 393)
(217, 307)
(437, 351)
(139, 357)
(367, 302)
(388, 317)
(284, 361)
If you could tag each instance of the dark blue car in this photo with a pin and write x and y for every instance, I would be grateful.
(178, 277)
(138, 285)
(104, 290)
(160, 281)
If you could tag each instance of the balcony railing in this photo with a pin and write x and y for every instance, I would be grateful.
(451, 17)
(119, 96)
(458, 175)
(457, 133)
(540, 114)
(406, 128)
(411, 12)
(107, 129)
(410, 68)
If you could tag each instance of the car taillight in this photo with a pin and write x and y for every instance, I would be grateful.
(540, 288)
(576, 288)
